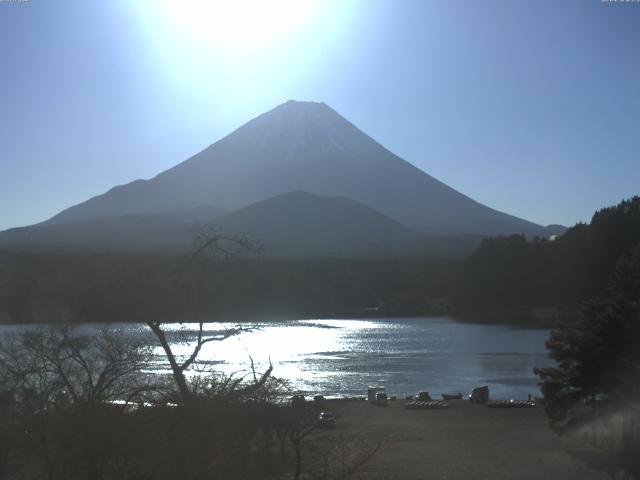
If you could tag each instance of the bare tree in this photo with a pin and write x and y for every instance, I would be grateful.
(207, 242)
(178, 367)
(64, 388)
(59, 363)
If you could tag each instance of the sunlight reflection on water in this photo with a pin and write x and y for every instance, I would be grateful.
(343, 357)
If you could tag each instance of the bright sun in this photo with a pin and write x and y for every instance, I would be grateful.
(238, 24)
(247, 49)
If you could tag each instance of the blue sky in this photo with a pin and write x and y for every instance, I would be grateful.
(532, 108)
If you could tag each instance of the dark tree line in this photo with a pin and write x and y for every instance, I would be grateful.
(512, 277)
(107, 288)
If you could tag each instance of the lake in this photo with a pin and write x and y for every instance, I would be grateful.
(343, 357)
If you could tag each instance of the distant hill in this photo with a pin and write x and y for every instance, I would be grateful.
(296, 147)
(302, 224)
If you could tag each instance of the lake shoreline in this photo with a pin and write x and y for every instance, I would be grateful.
(505, 320)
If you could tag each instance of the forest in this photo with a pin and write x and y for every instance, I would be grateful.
(116, 288)
(516, 280)
(507, 279)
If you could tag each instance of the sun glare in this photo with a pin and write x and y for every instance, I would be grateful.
(238, 24)
(250, 49)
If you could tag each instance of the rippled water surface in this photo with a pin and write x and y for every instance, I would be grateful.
(343, 357)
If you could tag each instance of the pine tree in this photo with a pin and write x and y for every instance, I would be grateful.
(597, 377)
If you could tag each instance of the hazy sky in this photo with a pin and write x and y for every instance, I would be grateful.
(532, 108)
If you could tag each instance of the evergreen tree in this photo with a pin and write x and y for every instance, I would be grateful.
(597, 377)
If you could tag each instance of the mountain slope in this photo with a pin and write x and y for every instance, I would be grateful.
(169, 232)
(304, 146)
(292, 224)
(303, 224)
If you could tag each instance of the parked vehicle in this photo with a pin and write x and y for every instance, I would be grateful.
(327, 420)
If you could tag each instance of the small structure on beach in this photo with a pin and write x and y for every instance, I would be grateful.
(423, 396)
(479, 395)
(377, 395)
(373, 391)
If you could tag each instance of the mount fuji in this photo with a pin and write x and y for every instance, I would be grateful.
(302, 147)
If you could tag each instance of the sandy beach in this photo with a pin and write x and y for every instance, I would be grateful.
(465, 441)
